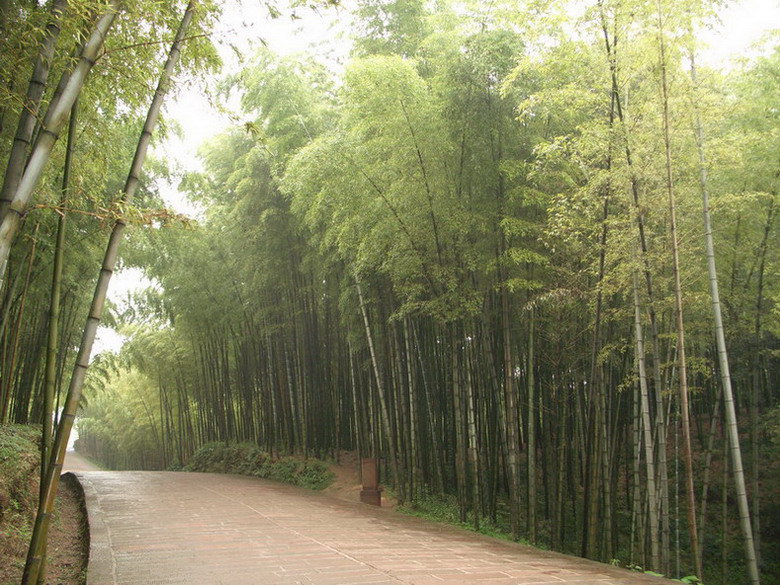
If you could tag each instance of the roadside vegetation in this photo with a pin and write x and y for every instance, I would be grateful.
(247, 459)
(19, 461)
(19, 481)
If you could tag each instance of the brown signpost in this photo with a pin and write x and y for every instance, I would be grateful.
(371, 492)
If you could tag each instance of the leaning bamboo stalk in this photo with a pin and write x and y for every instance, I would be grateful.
(385, 412)
(723, 357)
(28, 116)
(53, 326)
(49, 134)
(33, 565)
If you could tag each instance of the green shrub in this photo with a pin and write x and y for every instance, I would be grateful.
(315, 475)
(174, 465)
(248, 459)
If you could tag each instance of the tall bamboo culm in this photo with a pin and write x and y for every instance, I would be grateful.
(723, 357)
(38, 541)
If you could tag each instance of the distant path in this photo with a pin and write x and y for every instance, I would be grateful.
(75, 462)
(208, 529)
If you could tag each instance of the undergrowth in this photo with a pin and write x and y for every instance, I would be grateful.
(247, 459)
(18, 487)
(444, 508)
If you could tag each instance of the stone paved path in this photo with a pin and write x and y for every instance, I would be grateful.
(74, 461)
(205, 529)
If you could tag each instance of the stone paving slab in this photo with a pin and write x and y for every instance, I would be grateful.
(150, 528)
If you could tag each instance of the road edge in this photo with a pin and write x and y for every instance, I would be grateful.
(100, 563)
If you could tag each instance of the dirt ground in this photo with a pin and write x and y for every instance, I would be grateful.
(68, 543)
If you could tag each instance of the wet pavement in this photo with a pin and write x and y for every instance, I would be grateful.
(206, 529)
(77, 462)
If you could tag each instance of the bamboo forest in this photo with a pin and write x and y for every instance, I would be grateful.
(525, 253)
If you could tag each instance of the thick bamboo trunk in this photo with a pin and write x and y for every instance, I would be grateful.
(49, 134)
(50, 383)
(38, 540)
(28, 117)
(54, 305)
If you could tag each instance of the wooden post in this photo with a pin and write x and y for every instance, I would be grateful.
(371, 492)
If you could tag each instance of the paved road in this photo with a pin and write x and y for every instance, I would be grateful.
(207, 529)
(76, 462)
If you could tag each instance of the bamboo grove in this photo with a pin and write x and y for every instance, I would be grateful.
(477, 252)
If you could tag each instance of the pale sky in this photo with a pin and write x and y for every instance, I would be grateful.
(743, 24)
(246, 26)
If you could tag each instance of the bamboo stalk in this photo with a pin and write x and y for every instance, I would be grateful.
(40, 531)
(55, 117)
(28, 116)
(652, 495)
(385, 413)
(682, 368)
(723, 358)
